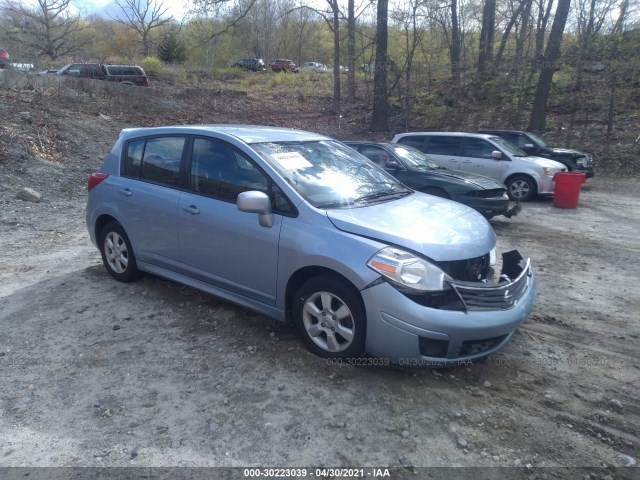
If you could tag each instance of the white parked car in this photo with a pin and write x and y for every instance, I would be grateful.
(525, 176)
(313, 67)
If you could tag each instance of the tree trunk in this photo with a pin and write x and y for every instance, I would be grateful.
(538, 115)
(454, 49)
(485, 54)
(543, 19)
(380, 115)
(336, 55)
(351, 53)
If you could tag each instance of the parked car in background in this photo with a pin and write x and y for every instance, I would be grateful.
(418, 171)
(253, 64)
(283, 65)
(368, 67)
(303, 229)
(4, 58)
(313, 67)
(125, 74)
(531, 143)
(524, 176)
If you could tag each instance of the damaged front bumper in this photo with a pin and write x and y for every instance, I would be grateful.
(513, 211)
(467, 322)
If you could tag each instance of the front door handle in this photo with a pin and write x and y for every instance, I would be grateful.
(192, 209)
(125, 191)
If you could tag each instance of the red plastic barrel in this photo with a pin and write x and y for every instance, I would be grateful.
(567, 190)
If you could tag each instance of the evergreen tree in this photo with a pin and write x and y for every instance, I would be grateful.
(172, 50)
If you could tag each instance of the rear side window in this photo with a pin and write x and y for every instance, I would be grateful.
(414, 141)
(444, 145)
(154, 159)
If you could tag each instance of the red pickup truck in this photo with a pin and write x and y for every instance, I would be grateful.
(125, 74)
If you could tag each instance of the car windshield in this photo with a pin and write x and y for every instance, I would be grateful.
(538, 140)
(415, 158)
(331, 175)
(508, 147)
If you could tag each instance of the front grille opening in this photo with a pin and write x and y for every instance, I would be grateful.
(469, 270)
(433, 348)
(474, 347)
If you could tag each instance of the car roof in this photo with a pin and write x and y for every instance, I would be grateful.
(491, 130)
(448, 134)
(246, 133)
(370, 142)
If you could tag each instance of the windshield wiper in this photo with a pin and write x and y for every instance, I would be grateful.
(383, 194)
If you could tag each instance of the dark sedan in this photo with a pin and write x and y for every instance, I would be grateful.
(416, 170)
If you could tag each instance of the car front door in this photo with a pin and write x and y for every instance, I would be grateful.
(477, 158)
(147, 197)
(219, 244)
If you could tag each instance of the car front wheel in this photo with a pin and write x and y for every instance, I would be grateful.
(117, 254)
(521, 187)
(330, 317)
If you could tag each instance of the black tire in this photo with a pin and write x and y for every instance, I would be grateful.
(117, 254)
(324, 333)
(521, 187)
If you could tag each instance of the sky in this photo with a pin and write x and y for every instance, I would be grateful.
(177, 8)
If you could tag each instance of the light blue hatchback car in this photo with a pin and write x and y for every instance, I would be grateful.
(303, 229)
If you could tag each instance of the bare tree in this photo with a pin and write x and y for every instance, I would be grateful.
(351, 52)
(335, 10)
(485, 54)
(551, 55)
(48, 27)
(380, 115)
(143, 16)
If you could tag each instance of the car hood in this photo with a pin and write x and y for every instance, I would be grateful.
(540, 162)
(479, 180)
(437, 228)
(567, 152)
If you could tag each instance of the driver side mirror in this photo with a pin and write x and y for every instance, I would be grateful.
(392, 165)
(496, 154)
(256, 202)
(528, 147)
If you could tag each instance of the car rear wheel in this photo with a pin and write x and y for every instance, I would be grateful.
(330, 317)
(117, 254)
(521, 187)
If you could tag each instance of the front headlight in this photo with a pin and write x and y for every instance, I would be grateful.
(582, 161)
(407, 270)
(552, 171)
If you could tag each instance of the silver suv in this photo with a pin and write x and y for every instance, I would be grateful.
(525, 176)
(304, 229)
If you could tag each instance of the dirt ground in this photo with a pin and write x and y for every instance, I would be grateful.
(98, 373)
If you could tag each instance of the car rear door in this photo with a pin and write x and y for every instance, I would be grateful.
(444, 150)
(477, 158)
(219, 244)
(147, 197)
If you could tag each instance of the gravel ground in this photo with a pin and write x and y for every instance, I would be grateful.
(95, 373)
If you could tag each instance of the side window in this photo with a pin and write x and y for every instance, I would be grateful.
(161, 160)
(133, 159)
(376, 154)
(517, 139)
(444, 145)
(413, 141)
(478, 148)
(222, 172)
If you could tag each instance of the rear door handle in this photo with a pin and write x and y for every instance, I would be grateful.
(125, 191)
(466, 161)
(192, 209)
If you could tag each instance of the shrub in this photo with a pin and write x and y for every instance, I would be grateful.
(151, 65)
